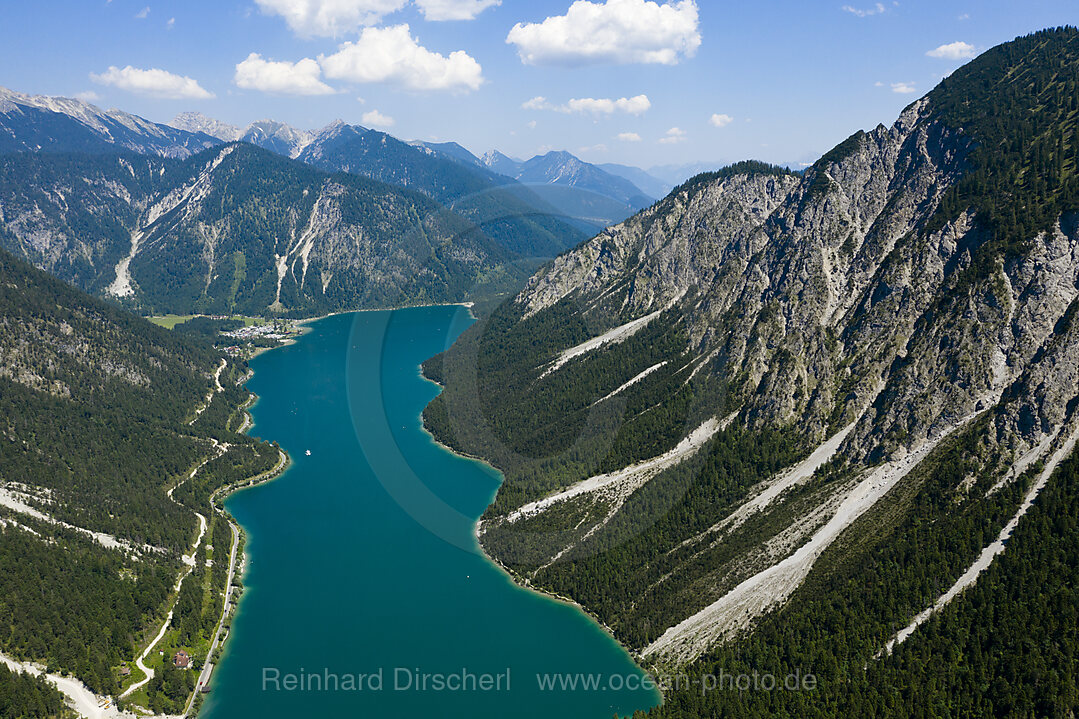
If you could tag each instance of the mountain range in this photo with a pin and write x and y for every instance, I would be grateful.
(78, 201)
(36, 123)
(575, 188)
(783, 421)
(138, 228)
(238, 229)
(592, 196)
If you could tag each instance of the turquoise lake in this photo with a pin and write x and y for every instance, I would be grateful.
(362, 558)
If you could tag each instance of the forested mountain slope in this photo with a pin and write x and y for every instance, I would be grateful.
(510, 213)
(771, 419)
(103, 413)
(514, 215)
(238, 229)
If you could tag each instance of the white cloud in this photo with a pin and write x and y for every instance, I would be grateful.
(329, 18)
(153, 83)
(720, 120)
(964, 16)
(629, 137)
(87, 96)
(539, 102)
(673, 136)
(592, 148)
(171, 22)
(374, 118)
(454, 9)
(615, 31)
(903, 88)
(864, 12)
(878, 83)
(531, 125)
(596, 106)
(141, 14)
(605, 106)
(284, 78)
(957, 50)
(391, 54)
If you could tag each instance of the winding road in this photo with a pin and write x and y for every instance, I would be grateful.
(189, 562)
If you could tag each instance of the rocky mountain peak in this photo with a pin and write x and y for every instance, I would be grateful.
(197, 122)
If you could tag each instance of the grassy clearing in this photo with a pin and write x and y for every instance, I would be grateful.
(170, 321)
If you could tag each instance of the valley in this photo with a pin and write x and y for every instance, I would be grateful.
(578, 438)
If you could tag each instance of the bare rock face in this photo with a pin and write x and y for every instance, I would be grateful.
(813, 290)
(869, 306)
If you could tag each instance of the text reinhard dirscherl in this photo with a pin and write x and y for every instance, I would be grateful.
(410, 679)
(399, 679)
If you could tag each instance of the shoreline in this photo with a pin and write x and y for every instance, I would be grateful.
(304, 323)
(221, 495)
(517, 579)
(238, 552)
(468, 304)
(87, 703)
(237, 556)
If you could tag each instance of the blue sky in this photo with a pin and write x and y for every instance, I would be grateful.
(780, 80)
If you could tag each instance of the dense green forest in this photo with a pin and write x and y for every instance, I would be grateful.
(1023, 168)
(26, 697)
(1005, 647)
(547, 434)
(100, 420)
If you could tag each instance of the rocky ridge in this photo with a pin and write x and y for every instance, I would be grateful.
(859, 307)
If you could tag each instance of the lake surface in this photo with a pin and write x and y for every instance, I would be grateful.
(362, 558)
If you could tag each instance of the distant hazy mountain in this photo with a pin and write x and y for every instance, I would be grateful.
(562, 168)
(677, 174)
(450, 150)
(510, 213)
(502, 164)
(279, 137)
(649, 184)
(269, 134)
(197, 122)
(578, 188)
(37, 123)
(586, 197)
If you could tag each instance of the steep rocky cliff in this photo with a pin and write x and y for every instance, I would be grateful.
(726, 387)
